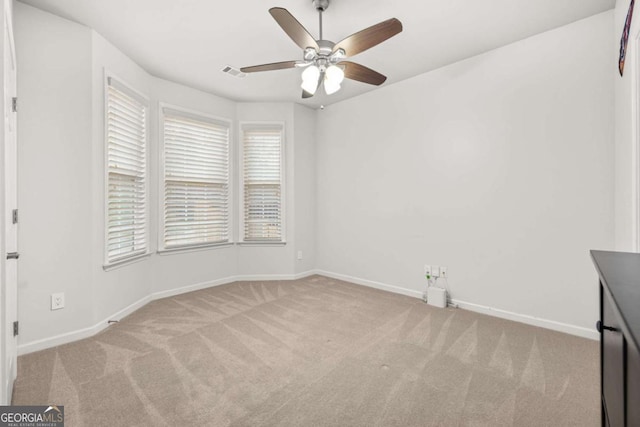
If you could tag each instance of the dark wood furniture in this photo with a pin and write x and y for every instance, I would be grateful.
(619, 328)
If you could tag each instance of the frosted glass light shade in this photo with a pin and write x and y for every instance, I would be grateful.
(310, 78)
(330, 86)
(334, 74)
(332, 79)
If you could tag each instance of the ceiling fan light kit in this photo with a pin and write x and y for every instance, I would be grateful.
(324, 61)
(333, 76)
(310, 78)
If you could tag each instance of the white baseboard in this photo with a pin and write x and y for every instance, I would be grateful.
(261, 277)
(304, 274)
(227, 280)
(529, 320)
(79, 334)
(192, 288)
(98, 327)
(504, 314)
(371, 284)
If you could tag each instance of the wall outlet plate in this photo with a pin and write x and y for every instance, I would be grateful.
(435, 270)
(427, 270)
(299, 255)
(443, 272)
(57, 301)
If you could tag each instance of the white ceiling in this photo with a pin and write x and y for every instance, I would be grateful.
(190, 41)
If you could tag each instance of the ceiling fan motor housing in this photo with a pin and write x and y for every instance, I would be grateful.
(320, 5)
(326, 47)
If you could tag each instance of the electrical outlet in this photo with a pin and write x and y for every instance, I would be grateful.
(427, 270)
(435, 270)
(443, 272)
(299, 255)
(57, 301)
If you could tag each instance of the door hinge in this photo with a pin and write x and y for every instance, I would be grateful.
(14, 104)
(14, 216)
(16, 328)
(13, 255)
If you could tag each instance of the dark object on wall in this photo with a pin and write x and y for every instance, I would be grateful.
(625, 38)
(619, 328)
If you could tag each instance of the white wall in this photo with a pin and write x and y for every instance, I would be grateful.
(281, 260)
(177, 270)
(4, 328)
(626, 131)
(304, 187)
(116, 289)
(7, 296)
(54, 181)
(62, 70)
(499, 167)
(271, 259)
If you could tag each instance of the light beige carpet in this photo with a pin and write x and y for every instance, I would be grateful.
(315, 352)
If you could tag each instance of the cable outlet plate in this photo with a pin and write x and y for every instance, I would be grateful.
(435, 271)
(57, 301)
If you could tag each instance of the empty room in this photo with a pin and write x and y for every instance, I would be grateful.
(320, 213)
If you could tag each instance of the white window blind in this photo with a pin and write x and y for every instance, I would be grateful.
(262, 183)
(196, 180)
(126, 133)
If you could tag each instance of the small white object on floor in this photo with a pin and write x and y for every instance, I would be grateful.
(436, 297)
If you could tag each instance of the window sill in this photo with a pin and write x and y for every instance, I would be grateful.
(124, 262)
(187, 249)
(261, 243)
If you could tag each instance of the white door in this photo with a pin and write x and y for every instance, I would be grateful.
(9, 279)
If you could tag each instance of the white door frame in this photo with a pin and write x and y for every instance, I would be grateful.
(8, 202)
(633, 50)
(632, 67)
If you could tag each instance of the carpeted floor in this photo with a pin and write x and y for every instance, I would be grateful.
(315, 352)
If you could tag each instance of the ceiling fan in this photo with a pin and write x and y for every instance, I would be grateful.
(323, 60)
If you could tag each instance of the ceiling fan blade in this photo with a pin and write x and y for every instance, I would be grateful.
(362, 74)
(369, 37)
(269, 67)
(293, 28)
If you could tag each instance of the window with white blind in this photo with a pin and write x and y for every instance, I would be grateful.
(262, 183)
(196, 180)
(126, 188)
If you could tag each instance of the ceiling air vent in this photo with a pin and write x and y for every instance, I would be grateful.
(233, 71)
